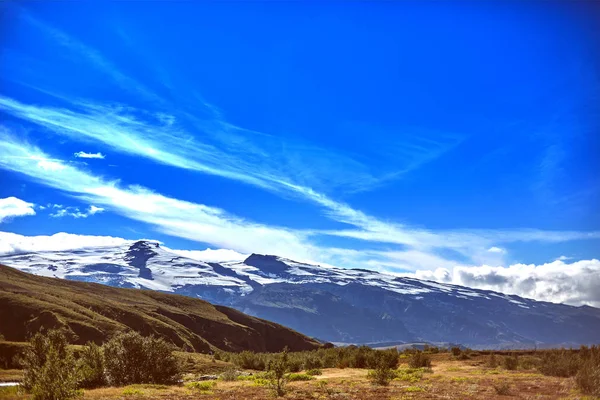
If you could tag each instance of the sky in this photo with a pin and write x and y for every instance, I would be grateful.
(454, 141)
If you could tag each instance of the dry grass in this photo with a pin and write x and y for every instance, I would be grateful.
(451, 379)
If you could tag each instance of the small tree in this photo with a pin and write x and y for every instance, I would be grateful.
(277, 373)
(90, 367)
(49, 367)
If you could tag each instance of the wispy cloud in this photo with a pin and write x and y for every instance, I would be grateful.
(215, 226)
(83, 154)
(169, 215)
(195, 136)
(12, 207)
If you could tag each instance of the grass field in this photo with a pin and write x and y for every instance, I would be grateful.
(450, 379)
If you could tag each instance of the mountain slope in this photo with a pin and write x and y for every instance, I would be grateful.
(94, 312)
(333, 304)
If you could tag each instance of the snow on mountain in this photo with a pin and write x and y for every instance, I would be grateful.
(146, 265)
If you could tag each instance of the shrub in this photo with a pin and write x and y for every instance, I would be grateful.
(492, 361)
(388, 357)
(131, 358)
(456, 351)
(502, 388)
(528, 362)
(295, 377)
(230, 374)
(411, 375)
(294, 365)
(563, 363)
(250, 360)
(90, 367)
(312, 363)
(419, 360)
(382, 375)
(511, 363)
(201, 386)
(277, 373)
(314, 371)
(132, 392)
(49, 367)
(588, 378)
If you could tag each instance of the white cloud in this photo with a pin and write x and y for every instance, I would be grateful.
(495, 249)
(83, 154)
(94, 210)
(11, 243)
(11, 207)
(575, 283)
(75, 212)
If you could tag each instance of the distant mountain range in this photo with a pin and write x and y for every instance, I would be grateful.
(332, 304)
(93, 312)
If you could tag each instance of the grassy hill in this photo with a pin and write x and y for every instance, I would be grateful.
(93, 312)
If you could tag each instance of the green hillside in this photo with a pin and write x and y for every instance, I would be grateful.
(93, 312)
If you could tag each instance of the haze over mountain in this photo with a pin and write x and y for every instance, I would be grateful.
(332, 304)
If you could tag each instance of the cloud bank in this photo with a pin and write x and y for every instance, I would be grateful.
(12, 243)
(576, 283)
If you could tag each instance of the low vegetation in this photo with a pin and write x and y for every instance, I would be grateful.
(53, 373)
(54, 370)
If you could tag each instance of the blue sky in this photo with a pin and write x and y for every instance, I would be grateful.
(394, 136)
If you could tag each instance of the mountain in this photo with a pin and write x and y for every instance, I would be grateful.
(332, 304)
(93, 312)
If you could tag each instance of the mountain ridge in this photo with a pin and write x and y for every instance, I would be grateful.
(333, 304)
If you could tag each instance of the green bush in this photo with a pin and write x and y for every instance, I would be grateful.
(312, 363)
(201, 386)
(314, 371)
(131, 358)
(382, 375)
(419, 360)
(90, 367)
(294, 377)
(229, 375)
(49, 367)
(249, 360)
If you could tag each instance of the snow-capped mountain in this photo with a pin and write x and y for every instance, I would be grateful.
(334, 304)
